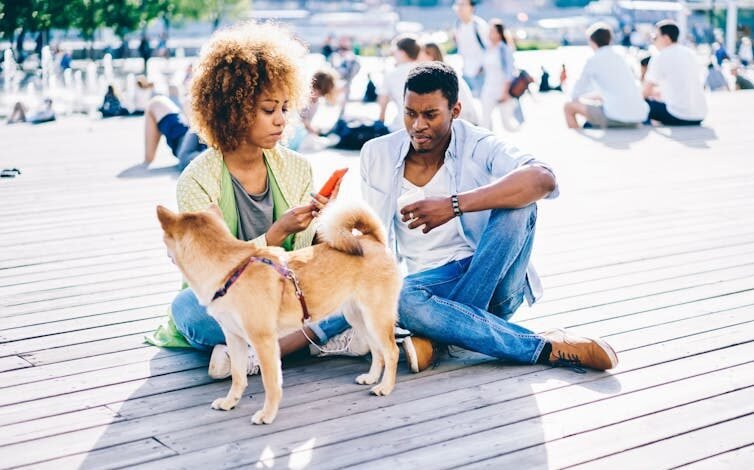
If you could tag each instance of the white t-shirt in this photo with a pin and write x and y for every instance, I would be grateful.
(677, 72)
(394, 82)
(438, 247)
(609, 74)
(392, 86)
(468, 44)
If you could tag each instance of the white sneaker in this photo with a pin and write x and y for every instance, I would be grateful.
(347, 343)
(219, 362)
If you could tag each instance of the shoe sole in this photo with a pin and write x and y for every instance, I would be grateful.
(610, 352)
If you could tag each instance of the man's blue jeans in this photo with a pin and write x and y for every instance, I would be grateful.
(203, 332)
(467, 303)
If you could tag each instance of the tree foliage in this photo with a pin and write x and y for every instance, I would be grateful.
(124, 16)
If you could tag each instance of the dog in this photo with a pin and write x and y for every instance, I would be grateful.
(353, 271)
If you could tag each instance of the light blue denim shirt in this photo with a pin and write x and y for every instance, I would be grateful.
(475, 157)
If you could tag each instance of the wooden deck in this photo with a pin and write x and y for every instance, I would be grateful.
(651, 246)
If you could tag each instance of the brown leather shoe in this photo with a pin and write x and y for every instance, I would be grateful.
(575, 351)
(420, 353)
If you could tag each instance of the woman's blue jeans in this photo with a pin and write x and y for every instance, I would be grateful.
(203, 332)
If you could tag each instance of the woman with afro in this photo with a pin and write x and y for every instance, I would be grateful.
(247, 81)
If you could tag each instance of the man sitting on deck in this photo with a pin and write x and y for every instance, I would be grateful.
(460, 208)
(673, 85)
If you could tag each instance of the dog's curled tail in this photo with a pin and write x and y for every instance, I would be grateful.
(339, 219)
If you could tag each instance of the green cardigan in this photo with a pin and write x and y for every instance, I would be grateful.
(207, 180)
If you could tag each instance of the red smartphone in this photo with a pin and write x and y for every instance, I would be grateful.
(329, 185)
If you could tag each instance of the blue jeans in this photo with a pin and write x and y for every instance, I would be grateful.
(475, 83)
(203, 332)
(467, 303)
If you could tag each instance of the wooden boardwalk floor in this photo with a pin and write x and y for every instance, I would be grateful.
(651, 245)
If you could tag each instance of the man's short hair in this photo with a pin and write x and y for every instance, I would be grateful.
(432, 76)
(600, 34)
(408, 44)
(670, 29)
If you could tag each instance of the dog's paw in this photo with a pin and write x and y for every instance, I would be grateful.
(224, 404)
(366, 379)
(381, 390)
(261, 417)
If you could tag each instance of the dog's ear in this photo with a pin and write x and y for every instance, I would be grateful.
(215, 209)
(166, 218)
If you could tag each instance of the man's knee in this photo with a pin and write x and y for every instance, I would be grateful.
(413, 311)
(524, 218)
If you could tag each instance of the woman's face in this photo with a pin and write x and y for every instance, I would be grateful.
(424, 56)
(270, 118)
(494, 36)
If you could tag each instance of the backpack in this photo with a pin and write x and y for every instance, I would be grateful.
(520, 84)
(354, 134)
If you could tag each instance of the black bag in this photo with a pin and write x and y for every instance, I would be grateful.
(353, 135)
(520, 84)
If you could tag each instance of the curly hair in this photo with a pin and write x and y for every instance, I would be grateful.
(236, 67)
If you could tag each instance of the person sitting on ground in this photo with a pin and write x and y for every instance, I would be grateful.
(459, 205)
(144, 92)
(305, 135)
(430, 51)
(610, 83)
(20, 113)
(112, 105)
(742, 83)
(247, 81)
(673, 86)
(715, 80)
(163, 117)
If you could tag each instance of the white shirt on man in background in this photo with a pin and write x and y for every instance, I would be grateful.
(607, 73)
(394, 82)
(468, 36)
(676, 70)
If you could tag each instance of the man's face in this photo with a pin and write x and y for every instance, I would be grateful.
(660, 40)
(463, 9)
(428, 119)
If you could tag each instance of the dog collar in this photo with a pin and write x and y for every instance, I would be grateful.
(283, 270)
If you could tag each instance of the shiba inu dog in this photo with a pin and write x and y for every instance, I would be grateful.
(256, 292)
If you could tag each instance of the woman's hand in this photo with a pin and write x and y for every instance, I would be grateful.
(320, 201)
(295, 220)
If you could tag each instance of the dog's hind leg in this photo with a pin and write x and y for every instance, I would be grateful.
(238, 357)
(268, 351)
(379, 315)
(352, 312)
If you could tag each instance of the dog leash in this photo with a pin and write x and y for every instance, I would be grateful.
(286, 273)
(282, 269)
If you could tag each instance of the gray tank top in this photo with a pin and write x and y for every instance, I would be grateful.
(254, 211)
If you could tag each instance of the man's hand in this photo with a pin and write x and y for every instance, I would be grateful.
(431, 213)
(295, 220)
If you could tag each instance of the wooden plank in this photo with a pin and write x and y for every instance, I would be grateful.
(159, 302)
(12, 363)
(740, 458)
(491, 403)
(29, 431)
(87, 349)
(122, 456)
(87, 364)
(76, 324)
(688, 447)
(625, 435)
(78, 337)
